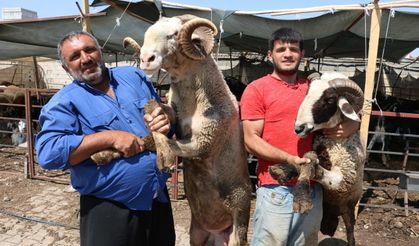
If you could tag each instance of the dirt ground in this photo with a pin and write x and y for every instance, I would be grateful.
(374, 227)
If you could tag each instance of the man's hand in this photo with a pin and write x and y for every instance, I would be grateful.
(295, 160)
(158, 121)
(127, 143)
(343, 130)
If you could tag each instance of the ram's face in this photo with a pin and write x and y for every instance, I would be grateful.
(319, 109)
(159, 43)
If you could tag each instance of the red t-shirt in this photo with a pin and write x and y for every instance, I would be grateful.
(277, 103)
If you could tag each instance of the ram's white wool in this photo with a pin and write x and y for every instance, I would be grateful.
(152, 54)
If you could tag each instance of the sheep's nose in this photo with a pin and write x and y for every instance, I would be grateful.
(299, 129)
(302, 129)
(147, 58)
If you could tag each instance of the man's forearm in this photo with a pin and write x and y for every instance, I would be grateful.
(266, 151)
(90, 144)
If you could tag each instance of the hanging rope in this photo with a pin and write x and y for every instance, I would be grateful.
(369, 103)
(374, 99)
(366, 13)
(225, 15)
(391, 15)
(118, 23)
(219, 40)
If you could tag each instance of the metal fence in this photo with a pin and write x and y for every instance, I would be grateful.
(408, 178)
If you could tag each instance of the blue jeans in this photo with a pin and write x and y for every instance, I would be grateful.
(275, 223)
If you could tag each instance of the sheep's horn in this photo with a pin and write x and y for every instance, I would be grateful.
(313, 76)
(350, 90)
(130, 41)
(188, 47)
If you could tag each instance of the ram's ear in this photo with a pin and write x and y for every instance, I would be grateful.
(347, 110)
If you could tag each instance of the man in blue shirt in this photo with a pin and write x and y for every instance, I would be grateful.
(124, 202)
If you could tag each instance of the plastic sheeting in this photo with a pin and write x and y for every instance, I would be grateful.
(339, 34)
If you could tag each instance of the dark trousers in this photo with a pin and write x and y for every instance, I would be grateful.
(108, 223)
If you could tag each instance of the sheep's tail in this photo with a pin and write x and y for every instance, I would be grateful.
(330, 220)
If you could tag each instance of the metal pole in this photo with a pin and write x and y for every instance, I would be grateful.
(175, 181)
(29, 134)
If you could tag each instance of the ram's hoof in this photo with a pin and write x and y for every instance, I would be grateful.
(149, 143)
(150, 106)
(105, 156)
(165, 160)
(282, 172)
(302, 206)
(165, 156)
(312, 156)
(302, 199)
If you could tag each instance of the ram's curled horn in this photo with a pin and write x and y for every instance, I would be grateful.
(197, 51)
(130, 41)
(313, 76)
(350, 90)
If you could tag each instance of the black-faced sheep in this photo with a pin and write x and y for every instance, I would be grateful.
(337, 164)
(208, 136)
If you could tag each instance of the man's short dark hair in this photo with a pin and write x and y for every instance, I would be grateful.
(286, 35)
(70, 36)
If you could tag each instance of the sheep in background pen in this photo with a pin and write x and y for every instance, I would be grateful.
(19, 133)
(337, 164)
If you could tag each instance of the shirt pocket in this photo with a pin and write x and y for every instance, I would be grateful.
(104, 121)
(139, 105)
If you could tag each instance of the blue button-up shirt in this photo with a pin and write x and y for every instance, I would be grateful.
(78, 110)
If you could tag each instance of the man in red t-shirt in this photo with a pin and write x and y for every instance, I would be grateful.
(269, 107)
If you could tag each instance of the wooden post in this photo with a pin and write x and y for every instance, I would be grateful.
(86, 19)
(370, 74)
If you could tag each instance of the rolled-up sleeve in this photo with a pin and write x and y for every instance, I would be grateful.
(58, 136)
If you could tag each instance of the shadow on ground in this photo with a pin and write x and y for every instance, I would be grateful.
(332, 242)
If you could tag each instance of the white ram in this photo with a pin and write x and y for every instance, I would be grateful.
(209, 137)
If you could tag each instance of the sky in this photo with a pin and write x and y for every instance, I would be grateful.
(53, 8)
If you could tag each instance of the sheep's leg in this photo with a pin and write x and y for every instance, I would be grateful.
(372, 142)
(168, 149)
(284, 172)
(105, 156)
(188, 147)
(302, 199)
(165, 156)
(349, 220)
(384, 158)
(197, 235)
(241, 213)
(330, 219)
(152, 104)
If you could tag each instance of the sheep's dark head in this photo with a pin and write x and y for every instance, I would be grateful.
(164, 40)
(328, 99)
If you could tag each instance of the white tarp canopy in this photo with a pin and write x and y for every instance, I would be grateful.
(338, 34)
